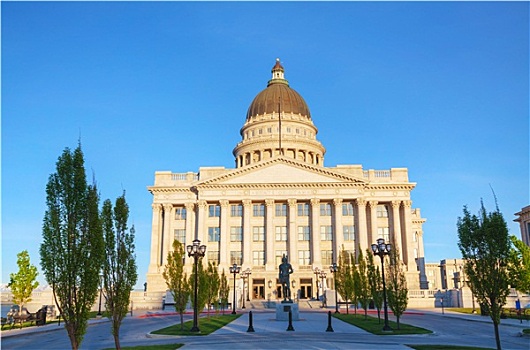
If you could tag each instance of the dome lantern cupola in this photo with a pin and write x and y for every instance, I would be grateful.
(278, 122)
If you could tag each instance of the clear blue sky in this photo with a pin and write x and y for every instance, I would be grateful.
(440, 88)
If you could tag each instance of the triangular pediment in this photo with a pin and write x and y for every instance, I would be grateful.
(281, 170)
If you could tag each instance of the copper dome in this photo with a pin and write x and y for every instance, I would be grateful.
(277, 93)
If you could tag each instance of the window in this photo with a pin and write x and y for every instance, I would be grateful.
(278, 255)
(325, 209)
(326, 257)
(213, 256)
(382, 232)
(236, 257)
(303, 209)
(304, 257)
(213, 234)
(236, 234)
(236, 210)
(326, 233)
(269, 130)
(180, 235)
(281, 233)
(349, 232)
(281, 209)
(258, 210)
(180, 213)
(214, 210)
(347, 209)
(258, 233)
(382, 211)
(303, 233)
(258, 257)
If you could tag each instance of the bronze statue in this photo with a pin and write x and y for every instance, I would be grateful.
(285, 270)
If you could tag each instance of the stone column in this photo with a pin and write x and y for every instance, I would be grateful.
(202, 207)
(315, 232)
(190, 234)
(291, 229)
(372, 234)
(407, 237)
(396, 227)
(168, 235)
(224, 233)
(338, 238)
(247, 232)
(269, 234)
(155, 239)
(361, 232)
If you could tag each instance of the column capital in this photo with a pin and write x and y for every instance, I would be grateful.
(337, 202)
(168, 206)
(156, 206)
(407, 204)
(223, 203)
(396, 204)
(269, 202)
(246, 202)
(315, 201)
(189, 206)
(292, 202)
(361, 202)
(202, 204)
(373, 204)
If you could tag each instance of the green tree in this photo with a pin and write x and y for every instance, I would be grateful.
(519, 266)
(177, 280)
(24, 282)
(485, 245)
(119, 267)
(345, 278)
(364, 286)
(202, 284)
(376, 283)
(224, 290)
(72, 248)
(396, 284)
(211, 284)
(356, 284)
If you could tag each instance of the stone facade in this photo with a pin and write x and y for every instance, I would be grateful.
(524, 221)
(281, 199)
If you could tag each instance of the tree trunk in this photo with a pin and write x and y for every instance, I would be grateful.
(181, 321)
(117, 341)
(116, 333)
(497, 335)
(71, 334)
(397, 319)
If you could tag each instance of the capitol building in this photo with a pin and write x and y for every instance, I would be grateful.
(280, 199)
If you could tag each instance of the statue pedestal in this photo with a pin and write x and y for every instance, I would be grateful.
(282, 311)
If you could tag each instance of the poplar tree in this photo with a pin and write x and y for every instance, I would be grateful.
(177, 280)
(519, 265)
(224, 290)
(376, 283)
(23, 283)
(364, 286)
(119, 267)
(72, 248)
(211, 285)
(485, 245)
(397, 292)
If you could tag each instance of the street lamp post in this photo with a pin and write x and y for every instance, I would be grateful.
(381, 249)
(334, 268)
(100, 292)
(322, 277)
(316, 271)
(234, 269)
(196, 251)
(245, 275)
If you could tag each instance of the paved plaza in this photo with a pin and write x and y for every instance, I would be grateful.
(309, 333)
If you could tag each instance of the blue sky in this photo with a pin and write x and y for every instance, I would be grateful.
(440, 88)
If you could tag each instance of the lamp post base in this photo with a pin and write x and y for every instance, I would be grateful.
(387, 328)
(195, 329)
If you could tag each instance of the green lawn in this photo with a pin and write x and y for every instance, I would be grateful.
(372, 325)
(206, 325)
